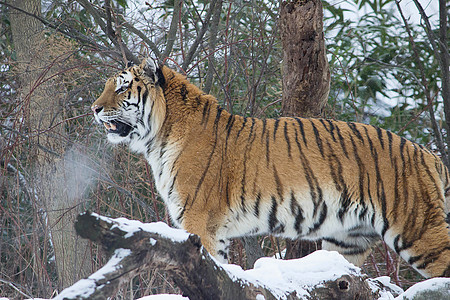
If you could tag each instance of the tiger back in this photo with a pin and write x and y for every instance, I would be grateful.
(224, 176)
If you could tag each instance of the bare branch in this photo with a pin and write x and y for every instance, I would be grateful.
(171, 35)
(434, 124)
(212, 43)
(146, 40)
(194, 47)
(107, 29)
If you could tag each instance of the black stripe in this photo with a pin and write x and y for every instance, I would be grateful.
(288, 142)
(180, 216)
(172, 185)
(355, 251)
(240, 130)
(318, 139)
(389, 135)
(363, 213)
(223, 254)
(251, 130)
(144, 97)
(206, 110)
(331, 129)
(380, 136)
(183, 92)
(277, 123)
(397, 199)
(341, 140)
(396, 246)
(322, 217)
(361, 167)
(432, 257)
(139, 90)
(228, 128)
(278, 183)
(263, 129)
(230, 124)
(216, 121)
(257, 202)
(413, 259)
(302, 131)
(273, 215)
(339, 243)
(298, 212)
(437, 186)
(314, 188)
(345, 203)
(336, 172)
(352, 126)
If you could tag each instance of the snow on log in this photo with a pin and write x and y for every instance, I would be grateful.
(136, 247)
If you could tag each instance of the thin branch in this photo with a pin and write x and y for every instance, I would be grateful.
(107, 29)
(14, 287)
(194, 47)
(171, 35)
(146, 40)
(434, 124)
(212, 44)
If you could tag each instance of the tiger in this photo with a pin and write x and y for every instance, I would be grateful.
(224, 176)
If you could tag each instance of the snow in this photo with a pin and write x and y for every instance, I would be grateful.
(434, 284)
(132, 226)
(88, 285)
(164, 297)
(299, 275)
(383, 286)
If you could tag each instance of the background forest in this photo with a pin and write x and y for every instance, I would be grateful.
(389, 64)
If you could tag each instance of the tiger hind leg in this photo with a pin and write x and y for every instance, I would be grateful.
(429, 254)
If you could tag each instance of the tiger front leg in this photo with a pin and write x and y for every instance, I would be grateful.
(210, 232)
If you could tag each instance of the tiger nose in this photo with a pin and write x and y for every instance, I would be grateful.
(96, 109)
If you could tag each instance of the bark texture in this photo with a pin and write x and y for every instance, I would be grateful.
(41, 101)
(306, 76)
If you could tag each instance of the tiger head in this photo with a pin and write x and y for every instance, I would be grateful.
(132, 106)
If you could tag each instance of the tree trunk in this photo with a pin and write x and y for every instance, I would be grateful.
(444, 63)
(306, 76)
(40, 101)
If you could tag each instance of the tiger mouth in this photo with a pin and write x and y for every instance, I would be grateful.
(117, 127)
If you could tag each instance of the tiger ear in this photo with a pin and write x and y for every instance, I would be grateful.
(148, 67)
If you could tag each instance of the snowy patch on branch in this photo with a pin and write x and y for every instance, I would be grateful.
(86, 287)
(133, 226)
(427, 290)
(299, 275)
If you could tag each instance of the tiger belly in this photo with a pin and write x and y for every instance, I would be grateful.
(286, 219)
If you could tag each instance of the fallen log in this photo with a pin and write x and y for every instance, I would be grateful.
(136, 247)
